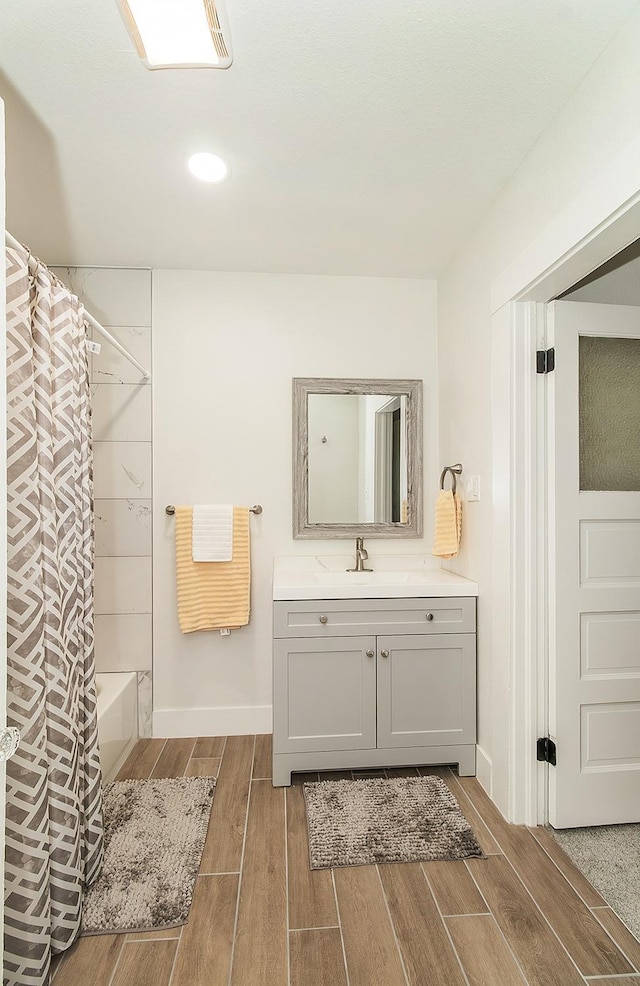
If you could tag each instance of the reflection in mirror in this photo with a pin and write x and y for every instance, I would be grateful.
(357, 458)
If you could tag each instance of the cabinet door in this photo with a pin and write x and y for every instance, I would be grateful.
(324, 694)
(426, 690)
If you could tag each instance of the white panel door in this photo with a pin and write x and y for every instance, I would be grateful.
(594, 563)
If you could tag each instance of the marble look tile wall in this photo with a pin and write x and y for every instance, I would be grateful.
(121, 409)
(145, 704)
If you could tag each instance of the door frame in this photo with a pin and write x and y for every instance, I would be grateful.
(383, 440)
(598, 224)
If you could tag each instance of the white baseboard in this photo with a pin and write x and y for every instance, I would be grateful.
(484, 767)
(224, 721)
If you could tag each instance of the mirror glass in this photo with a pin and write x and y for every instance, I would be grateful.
(360, 438)
(357, 457)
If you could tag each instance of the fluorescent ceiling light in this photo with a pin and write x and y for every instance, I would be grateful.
(207, 167)
(178, 33)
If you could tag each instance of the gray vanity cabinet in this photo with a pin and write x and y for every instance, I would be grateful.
(373, 683)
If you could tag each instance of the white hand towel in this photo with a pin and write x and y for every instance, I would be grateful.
(212, 538)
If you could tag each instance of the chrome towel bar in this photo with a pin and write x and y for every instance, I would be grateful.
(255, 509)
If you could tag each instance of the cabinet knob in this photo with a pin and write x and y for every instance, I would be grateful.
(369, 653)
(429, 617)
(384, 653)
(323, 618)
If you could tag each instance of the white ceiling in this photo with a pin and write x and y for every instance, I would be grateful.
(364, 136)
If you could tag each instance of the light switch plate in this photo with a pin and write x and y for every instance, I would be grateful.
(472, 489)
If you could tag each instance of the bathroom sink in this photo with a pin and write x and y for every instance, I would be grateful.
(362, 578)
(394, 576)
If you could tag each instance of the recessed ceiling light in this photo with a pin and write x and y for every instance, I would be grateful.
(207, 167)
(179, 33)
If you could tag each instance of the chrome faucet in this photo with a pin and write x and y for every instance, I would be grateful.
(361, 556)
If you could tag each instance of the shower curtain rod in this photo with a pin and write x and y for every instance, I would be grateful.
(100, 329)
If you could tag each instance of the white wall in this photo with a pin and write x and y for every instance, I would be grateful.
(617, 283)
(601, 120)
(334, 443)
(225, 348)
(366, 458)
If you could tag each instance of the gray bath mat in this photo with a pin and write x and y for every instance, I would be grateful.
(154, 837)
(379, 820)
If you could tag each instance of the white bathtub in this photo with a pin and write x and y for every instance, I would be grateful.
(117, 719)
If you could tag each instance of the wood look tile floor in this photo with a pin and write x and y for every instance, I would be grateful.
(261, 917)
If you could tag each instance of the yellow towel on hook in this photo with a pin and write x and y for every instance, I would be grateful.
(447, 528)
(213, 595)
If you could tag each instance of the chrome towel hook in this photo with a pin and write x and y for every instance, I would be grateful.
(455, 470)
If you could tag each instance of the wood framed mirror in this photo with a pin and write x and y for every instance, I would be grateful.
(357, 458)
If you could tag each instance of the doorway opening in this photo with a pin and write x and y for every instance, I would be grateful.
(520, 294)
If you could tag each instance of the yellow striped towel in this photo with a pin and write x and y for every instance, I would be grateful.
(448, 525)
(213, 595)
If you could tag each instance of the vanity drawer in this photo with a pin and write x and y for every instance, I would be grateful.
(343, 617)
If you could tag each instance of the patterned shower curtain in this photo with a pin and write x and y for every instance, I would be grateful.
(54, 830)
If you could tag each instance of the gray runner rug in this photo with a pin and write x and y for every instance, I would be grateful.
(609, 857)
(154, 837)
(380, 820)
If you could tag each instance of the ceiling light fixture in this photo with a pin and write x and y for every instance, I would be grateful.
(207, 167)
(179, 33)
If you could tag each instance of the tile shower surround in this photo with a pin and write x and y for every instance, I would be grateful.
(121, 415)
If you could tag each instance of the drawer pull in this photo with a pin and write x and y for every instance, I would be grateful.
(384, 653)
(369, 653)
(429, 617)
(323, 618)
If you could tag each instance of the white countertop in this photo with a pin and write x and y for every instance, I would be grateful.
(393, 577)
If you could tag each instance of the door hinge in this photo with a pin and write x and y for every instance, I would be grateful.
(546, 750)
(545, 360)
